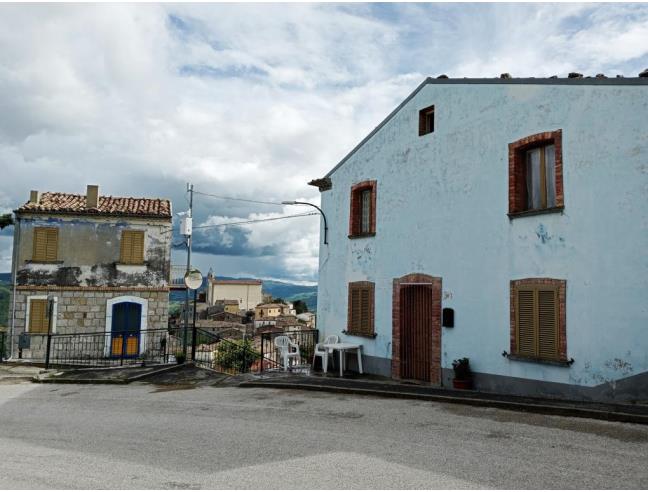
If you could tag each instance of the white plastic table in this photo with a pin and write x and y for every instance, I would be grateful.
(342, 348)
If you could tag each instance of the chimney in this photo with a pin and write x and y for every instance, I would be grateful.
(92, 196)
(34, 196)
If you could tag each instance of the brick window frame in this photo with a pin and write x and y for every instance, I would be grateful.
(435, 284)
(355, 213)
(561, 287)
(361, 327)
(517, 172)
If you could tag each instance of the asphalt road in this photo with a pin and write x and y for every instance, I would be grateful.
(142, 436)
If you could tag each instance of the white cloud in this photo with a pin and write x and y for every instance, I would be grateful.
(255, 100)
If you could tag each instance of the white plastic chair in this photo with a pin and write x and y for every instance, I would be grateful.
(286, 352)
(321, 351)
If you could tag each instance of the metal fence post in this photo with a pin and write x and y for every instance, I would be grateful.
(123, 348)
(193, 330)
(50, 310)
(262, 354)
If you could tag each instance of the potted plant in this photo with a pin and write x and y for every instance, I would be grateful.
(463, 374)
(180, 357)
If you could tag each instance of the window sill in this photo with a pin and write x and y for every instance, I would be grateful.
(364, 335)
(45, 262)
(358, 236)
(537, 360)
(529, 213)
(122, 264)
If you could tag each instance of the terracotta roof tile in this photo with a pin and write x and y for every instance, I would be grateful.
(69, 203)
(235, 282)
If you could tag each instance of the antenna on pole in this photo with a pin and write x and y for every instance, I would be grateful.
(186, 226)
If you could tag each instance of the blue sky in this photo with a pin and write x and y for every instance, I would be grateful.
(253, 101)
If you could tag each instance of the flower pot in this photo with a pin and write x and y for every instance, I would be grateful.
(464, 384)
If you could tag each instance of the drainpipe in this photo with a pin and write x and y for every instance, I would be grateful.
(14, 274)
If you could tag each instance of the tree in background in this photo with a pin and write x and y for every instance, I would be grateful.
(300, 306)
(6, 220)
(237, 355)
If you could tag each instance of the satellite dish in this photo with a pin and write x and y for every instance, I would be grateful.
(193, 279)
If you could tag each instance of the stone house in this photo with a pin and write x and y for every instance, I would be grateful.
(105, 262)
(503, 220)
(272, 310)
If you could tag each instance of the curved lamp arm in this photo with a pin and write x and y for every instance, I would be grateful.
(318, 209)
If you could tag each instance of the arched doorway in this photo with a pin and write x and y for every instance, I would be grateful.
(126, 324)
(125, 330)
(416, 329)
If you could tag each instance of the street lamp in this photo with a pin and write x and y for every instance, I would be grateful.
(292, 202)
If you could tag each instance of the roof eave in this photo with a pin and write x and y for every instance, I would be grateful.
(629, 81)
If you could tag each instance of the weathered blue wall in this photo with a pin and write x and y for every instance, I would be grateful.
(442, 203)
(89, 252)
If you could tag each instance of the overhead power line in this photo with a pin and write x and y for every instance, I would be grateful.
(253, 221)
(236, 199)
(257, 220)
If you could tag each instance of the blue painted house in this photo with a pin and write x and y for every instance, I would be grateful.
(504, 220)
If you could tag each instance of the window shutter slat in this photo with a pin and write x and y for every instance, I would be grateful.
(547, 324)
(526, 338)
(138, 247)
(355, 309)
(364, 310)
(40, 244)
(125, 247)
(51, 248)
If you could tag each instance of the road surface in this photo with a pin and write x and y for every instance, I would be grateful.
(144, 436)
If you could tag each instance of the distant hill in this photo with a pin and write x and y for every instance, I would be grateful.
(5, 278)
(284, 290)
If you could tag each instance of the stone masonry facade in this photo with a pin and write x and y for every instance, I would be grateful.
(85, 310)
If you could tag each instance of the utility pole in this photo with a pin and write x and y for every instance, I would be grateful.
(187, 233)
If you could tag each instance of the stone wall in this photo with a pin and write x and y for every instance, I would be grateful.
(82, 310)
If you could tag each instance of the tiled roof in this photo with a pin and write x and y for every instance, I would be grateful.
(69, 203)
(235, 282)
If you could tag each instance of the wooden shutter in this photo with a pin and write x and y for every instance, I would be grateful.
(537, 321)
(547, 323)
(132, 247)
(361, 308)
(45, 244)
(38, 319)
(526, 337)
(355, 309)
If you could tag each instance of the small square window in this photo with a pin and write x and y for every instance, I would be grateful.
(426, 121)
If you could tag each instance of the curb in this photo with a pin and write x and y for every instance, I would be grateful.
(477, 402)
(55, 380)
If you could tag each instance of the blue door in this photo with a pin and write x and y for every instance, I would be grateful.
(125, 330)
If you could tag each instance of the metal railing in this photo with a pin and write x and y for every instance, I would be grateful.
(157, 346)
(306, 339)
(98, 349)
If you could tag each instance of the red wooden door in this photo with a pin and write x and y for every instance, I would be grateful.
(416, 332)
